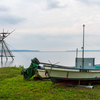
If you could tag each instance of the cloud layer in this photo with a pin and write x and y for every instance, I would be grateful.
(51, 24)
(53, 4)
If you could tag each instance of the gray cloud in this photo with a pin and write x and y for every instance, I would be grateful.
(37, 1)
(89, 2)
(49, 42)
(10, 19)
(85, 1)
(46, 42)
(52, 4)
(4, 8)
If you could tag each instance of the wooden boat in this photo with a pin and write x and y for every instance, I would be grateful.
(70, 75)
(84, 71)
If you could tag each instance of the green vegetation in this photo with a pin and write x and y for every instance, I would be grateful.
(13, 87)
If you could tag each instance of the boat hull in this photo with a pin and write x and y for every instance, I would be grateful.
(73, 75)
(74, 81)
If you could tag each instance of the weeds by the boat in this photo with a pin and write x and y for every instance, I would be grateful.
(89, 83)
(13, 87)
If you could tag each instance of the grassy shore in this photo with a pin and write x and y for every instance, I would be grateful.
(13, 87)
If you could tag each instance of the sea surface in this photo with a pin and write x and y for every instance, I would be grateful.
(61, 58)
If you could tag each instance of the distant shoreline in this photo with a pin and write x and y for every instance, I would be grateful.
(24, 50)
(53, 51)
(84, 51)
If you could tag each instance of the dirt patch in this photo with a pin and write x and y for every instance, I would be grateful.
(75, 87)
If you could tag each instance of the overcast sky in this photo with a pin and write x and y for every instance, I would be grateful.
(53, 25)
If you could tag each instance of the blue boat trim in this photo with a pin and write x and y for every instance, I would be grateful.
(53, 66)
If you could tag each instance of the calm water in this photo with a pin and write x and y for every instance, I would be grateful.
(64, 58)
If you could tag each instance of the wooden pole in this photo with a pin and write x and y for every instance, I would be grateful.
(8, 51)
(83, 48)
(2, 54)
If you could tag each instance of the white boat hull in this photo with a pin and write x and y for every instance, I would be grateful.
(73, 75)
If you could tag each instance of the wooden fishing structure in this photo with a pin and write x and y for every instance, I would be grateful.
(4, 50)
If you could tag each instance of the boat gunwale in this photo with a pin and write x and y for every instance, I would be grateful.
(53, 66)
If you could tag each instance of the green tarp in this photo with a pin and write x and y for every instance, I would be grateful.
(30, 71)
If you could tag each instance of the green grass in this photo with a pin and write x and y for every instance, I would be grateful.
(13, 87)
